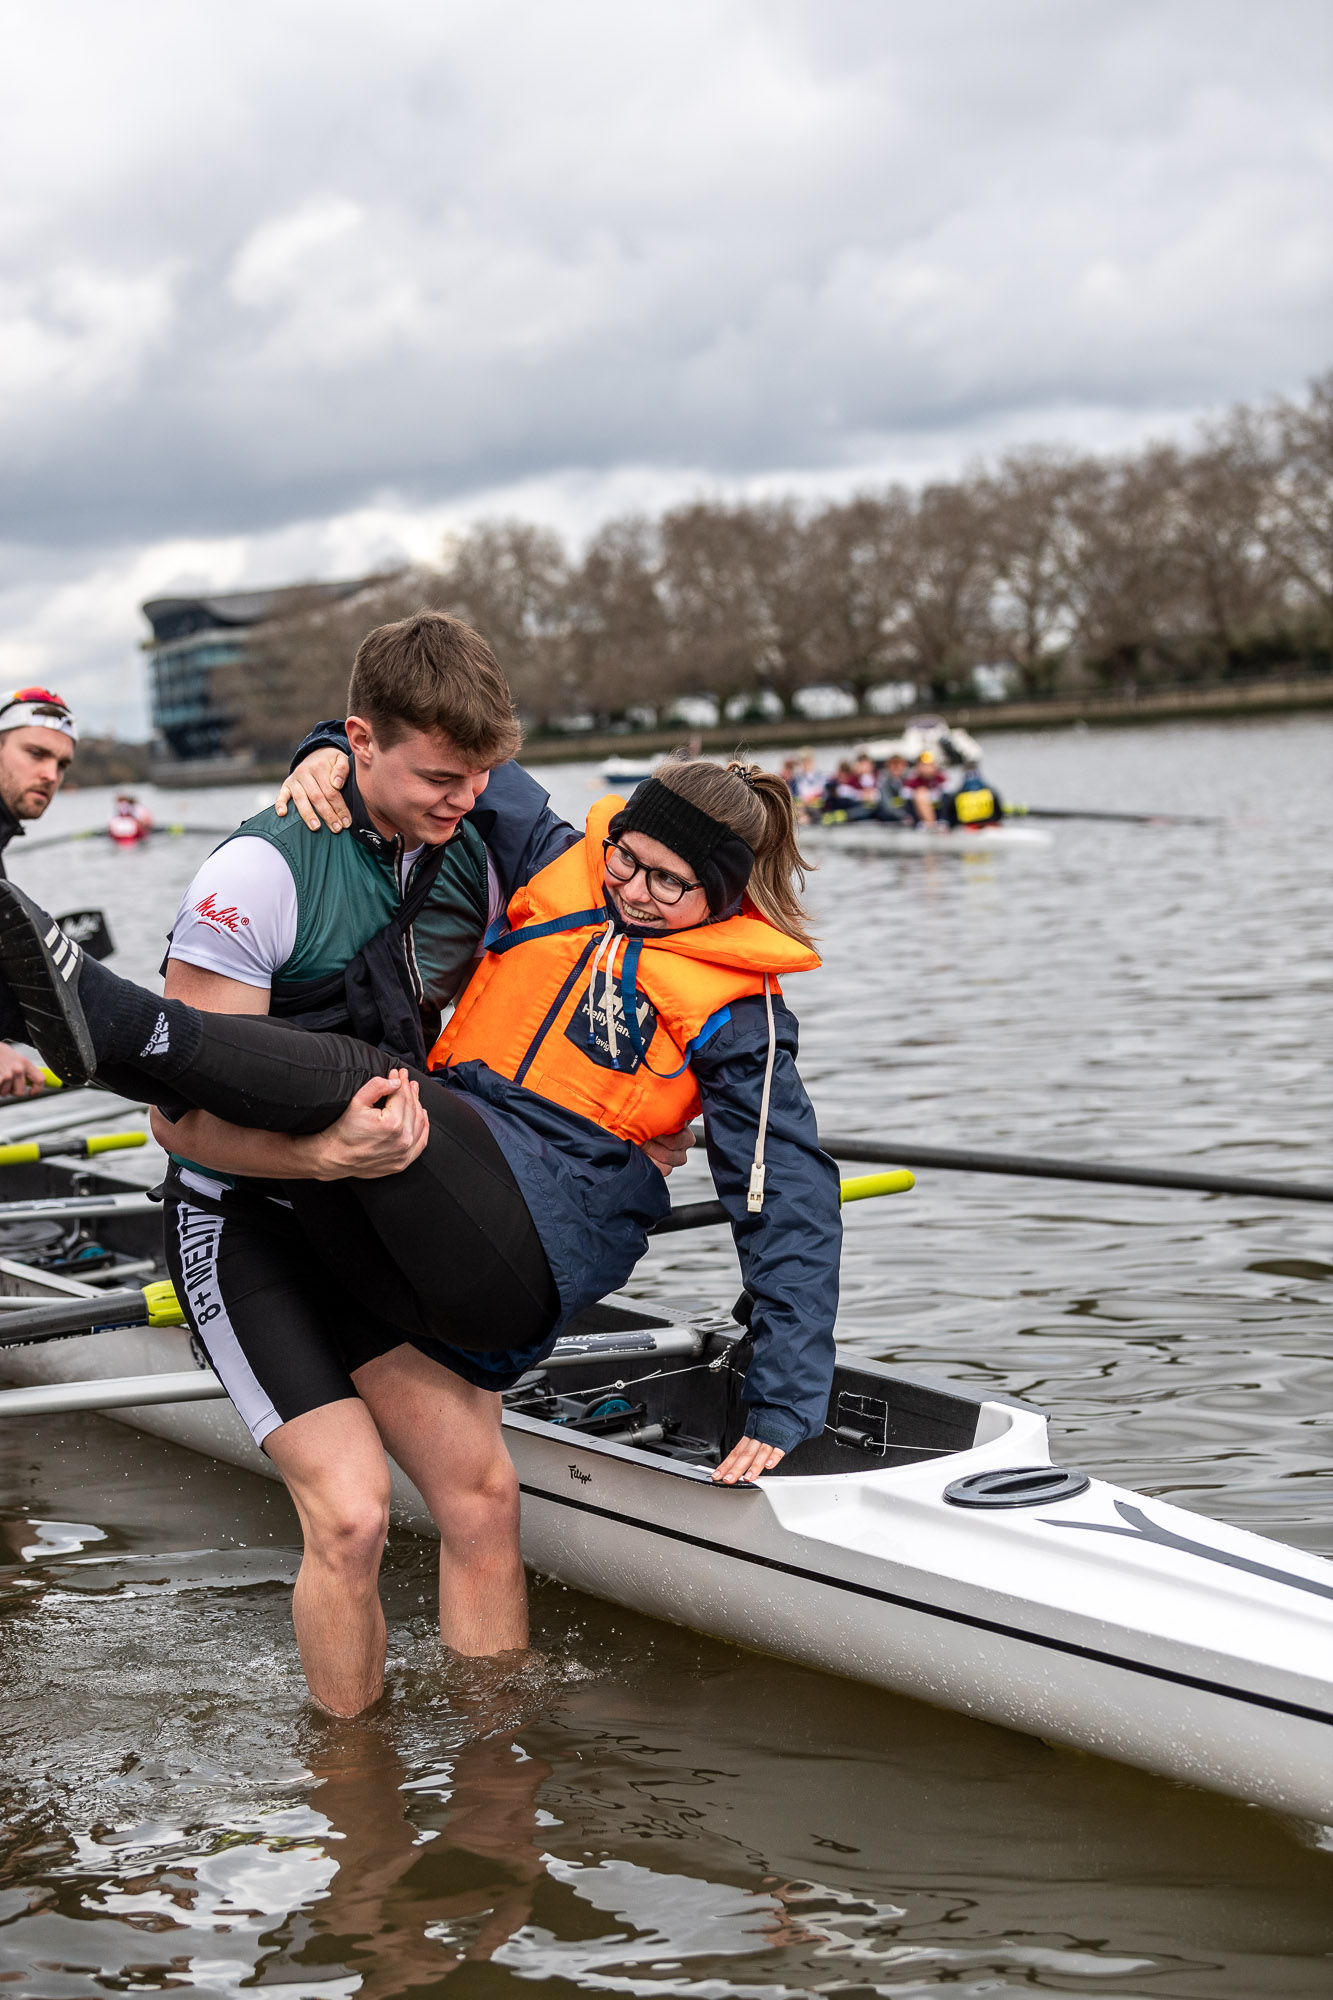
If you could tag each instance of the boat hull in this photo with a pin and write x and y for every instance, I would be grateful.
(1105, 1621)
(731, 1566)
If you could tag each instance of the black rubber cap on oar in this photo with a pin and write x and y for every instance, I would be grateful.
(66, 1316)
(689, 1215)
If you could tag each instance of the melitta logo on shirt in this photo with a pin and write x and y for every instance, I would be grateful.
(224, 918)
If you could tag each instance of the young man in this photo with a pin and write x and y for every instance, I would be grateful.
(371, 932)
(37, 738)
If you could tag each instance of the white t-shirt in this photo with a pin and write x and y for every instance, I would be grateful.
(238, 916)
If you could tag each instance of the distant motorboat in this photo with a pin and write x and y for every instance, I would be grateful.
(872, 836)
(629, 770)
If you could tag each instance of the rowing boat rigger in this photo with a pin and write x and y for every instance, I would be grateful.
(924, 1543)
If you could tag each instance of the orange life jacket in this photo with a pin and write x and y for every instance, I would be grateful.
(608, 1037)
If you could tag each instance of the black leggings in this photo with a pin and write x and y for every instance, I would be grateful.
(446, 1250)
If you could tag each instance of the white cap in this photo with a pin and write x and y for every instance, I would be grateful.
(37, 708)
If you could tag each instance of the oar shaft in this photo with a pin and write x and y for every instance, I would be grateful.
(77, 1207)
(117, 1392)
(698, 1214)
(77, 1107)
(126, 1307)
(1120, 818)
(1035, 1167)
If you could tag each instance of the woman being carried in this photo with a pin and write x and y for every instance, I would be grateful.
(633, 982)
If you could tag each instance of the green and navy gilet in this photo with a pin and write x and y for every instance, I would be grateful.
(347, 890)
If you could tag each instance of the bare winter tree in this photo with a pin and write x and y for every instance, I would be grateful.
(1124, 574)
(510, 581)
(716, 614)
(1296, 520)
(619, 641)
(1033, 556)
(939, 582)
(295, 668)
(1177, 561)
(856, 547)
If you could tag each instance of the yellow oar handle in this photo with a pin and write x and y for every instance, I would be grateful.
(163, 1305)
(24, 1151)
(866, 1185)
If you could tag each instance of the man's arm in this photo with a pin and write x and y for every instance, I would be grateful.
(513, 814)
(382, 1130)
(232, 1149)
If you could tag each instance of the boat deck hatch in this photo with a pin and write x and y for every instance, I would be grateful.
(1017, 1486)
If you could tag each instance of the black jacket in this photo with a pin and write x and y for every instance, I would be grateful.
(10, 828)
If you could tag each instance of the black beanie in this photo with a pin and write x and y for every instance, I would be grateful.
(721, 860)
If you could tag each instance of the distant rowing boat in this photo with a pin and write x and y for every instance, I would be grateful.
(872, 836)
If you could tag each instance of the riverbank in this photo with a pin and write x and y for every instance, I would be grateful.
(1093, 711)
(1312, 691)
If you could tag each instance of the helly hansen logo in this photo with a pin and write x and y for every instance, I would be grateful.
(590, 1038)
(219, 917)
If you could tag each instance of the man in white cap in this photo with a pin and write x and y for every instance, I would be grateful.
(37, 738)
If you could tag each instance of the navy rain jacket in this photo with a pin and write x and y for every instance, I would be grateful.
(593, 1196)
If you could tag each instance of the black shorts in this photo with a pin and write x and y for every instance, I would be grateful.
(282, 1337)
(282, 1333)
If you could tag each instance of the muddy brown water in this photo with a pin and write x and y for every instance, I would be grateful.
(645, 1811)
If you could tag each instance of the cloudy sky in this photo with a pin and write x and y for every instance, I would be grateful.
(288, 287)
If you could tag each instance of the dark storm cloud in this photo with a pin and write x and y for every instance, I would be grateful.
(263, 264)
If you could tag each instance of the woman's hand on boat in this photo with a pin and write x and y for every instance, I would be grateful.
(315, 789)
(382, 1131)
(747, 1460)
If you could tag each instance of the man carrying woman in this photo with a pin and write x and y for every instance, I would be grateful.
(633, 980)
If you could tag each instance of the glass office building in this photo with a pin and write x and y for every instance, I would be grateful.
(192, 638)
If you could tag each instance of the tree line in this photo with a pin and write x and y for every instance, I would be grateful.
(1175, 563)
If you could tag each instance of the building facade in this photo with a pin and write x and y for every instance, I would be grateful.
(195, 636)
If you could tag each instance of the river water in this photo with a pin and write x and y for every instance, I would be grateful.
(647, 1812)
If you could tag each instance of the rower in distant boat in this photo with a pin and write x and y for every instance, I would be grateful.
(972, 803)
(129, 822)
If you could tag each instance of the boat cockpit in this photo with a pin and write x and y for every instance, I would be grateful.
(668, 1382)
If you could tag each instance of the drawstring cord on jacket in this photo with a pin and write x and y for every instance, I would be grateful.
(608, 939)
(603, 960)
(754, 1200)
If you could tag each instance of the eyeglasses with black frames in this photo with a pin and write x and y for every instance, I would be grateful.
(623, 864)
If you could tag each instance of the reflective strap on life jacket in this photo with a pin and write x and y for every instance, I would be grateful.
(580, 920)
(754, 1200)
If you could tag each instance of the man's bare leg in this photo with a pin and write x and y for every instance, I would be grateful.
(446, 1436)
(334, 1467)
